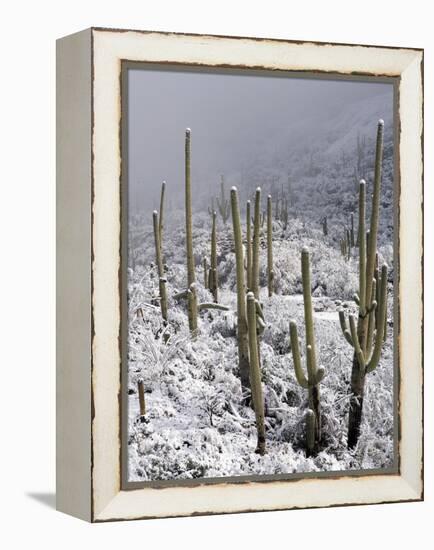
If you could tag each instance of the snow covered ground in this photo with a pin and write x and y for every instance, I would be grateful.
(196, 425)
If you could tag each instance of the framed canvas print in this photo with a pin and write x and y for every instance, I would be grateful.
(239, 274)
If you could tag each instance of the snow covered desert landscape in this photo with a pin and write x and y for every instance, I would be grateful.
(205, 308)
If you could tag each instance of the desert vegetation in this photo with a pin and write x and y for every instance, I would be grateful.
(220, 300)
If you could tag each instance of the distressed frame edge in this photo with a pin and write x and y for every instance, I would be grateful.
(413, 492)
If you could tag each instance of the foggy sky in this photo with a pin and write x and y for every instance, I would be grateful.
(234, 119)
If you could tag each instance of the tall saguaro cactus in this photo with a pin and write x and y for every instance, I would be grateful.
(270, 271)
(191, 277)
(243, 343)
(248, 247)
(255, 247)
(213, 276)
(371, 304)
(255, 372)
(159, 261)
(314, 374)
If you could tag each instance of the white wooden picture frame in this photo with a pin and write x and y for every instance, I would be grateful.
(89, 171)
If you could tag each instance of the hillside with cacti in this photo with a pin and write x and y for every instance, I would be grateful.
(260, 318)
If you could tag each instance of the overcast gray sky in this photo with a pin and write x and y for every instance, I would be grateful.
(234, 119)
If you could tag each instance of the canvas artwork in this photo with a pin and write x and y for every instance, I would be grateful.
(260, 275)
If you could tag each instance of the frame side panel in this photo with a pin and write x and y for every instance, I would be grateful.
(73, 274)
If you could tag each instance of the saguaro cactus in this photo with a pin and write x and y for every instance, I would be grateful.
(223, 203)
(314, 374)
(255, 247)
(191, 277)
(211, 208)
(159, 261)
(243, 344)
(248, 247)
(255, 372)
(360, 335)
(348, 238)
(270, 271)
(192, 308)
(213, 275)
(284, 213)
(160, 224)
(344, 248)
(205, 273)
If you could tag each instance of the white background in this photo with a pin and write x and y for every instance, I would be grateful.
(27, 199)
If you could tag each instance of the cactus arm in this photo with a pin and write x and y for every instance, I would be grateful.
(319, 375)
(374, 293)
(371, 328)
(259, 311)
(255, 251)
(255, 373)
(355, 338)
(373, 307)
(345, 328)
(315, 375)
(371, 318)
(212, 305)
(376, 353)
(260, 324)
(180, 295)
(356, 299)
(295, 348)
